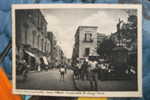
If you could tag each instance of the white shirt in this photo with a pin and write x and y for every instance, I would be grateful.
(62, 69)
(92, 65)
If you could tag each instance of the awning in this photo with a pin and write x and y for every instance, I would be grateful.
(45, 60)
(29, 53)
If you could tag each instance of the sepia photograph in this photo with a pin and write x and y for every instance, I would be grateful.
(77, 50)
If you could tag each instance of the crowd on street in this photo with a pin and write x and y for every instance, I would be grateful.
(93, 71)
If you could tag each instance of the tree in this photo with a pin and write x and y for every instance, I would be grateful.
(105, 48)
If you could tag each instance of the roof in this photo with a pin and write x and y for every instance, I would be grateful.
(77, 31)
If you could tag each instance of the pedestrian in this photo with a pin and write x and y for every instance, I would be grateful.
(66, 66)
(62, 72)
(92, 75)
(84, 70)
(79, 69)
(76, 71)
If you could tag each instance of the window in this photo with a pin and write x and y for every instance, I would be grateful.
(42, 45)
(26, 32)
(87, 52)
(33, 34)
(88, 37)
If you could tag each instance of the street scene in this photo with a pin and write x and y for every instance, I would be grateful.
(76, 49)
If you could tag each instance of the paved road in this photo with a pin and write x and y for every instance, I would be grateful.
(110, 85)
(49, 80)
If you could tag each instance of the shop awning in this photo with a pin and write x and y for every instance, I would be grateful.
(45, 60)
(31, 54)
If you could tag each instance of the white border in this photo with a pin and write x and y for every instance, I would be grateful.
(80, 93)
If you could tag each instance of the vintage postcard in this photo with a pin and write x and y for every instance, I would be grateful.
(90, 50)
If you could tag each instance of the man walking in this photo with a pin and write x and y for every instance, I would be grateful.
(62, 72)
(93, 77)
(84, 70)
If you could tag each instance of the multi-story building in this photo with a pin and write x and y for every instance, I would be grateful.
(59, 54)
(85, 42)
(52, 40)
(32, 40)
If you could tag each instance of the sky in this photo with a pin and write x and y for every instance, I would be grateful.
(64, 22)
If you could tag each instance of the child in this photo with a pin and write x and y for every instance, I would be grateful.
(62, 72)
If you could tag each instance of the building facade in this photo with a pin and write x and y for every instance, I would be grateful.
(32, 40)
(85, 42)
(57, 54)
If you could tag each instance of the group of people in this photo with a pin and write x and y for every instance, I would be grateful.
(87, 71)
